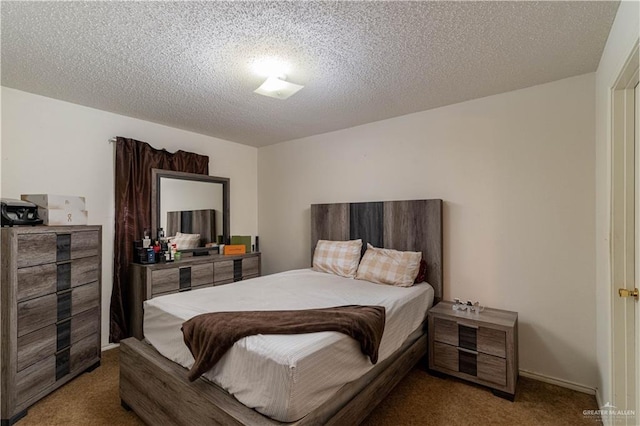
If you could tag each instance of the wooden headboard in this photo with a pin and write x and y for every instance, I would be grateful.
(201, 222)
(414, 225)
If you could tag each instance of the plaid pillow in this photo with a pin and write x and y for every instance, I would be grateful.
(386, 266)
(337, 257)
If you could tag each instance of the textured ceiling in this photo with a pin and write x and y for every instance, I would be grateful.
(188, 64)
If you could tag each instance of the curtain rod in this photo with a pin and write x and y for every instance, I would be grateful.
(112, 140)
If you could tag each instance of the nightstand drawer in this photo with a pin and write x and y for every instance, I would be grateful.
(469, 336)
(445, 356)
(445, 331)
(492, 369)
(459, 360)
(492, 342)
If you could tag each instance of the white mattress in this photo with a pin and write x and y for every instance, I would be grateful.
(287, 376)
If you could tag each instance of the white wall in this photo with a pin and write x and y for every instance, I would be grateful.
(624, 33)
(50, 146)
(516, 172)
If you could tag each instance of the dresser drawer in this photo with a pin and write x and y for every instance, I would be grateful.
(222, 271)
(39, 249)
(84, 271)
(36, 249)
(84, 352)
(44, 342)
(181, 278)
(35, 378)
(85, 324)
(77, 357)
(84, 297)
(44, 373)
(37, 313)
(165, 280)
(250, 266)
(37, 281)
(35, 346)
(201, 274)
(84, 244)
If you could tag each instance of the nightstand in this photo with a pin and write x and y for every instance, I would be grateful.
(478, 347)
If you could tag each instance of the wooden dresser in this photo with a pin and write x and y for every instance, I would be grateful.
(50, 296)
(479, 347)
(189, 273)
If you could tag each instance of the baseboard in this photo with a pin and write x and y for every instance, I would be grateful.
(110, 346)
(559, 382)
(606, 420)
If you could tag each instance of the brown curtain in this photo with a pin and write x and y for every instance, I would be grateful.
(134, 161)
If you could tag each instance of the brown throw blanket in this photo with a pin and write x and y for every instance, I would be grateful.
(210, 336)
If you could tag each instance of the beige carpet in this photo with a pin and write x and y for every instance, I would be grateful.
(419, 399)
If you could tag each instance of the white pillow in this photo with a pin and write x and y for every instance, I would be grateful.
(387, 266)
(186, 241)
(337, 257)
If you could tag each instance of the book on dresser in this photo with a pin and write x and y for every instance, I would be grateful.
(147, 281)
(50, 297)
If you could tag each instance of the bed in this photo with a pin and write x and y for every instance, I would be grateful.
(153, 376)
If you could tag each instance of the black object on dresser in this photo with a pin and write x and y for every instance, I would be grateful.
(51, 297)
(479, 347)
(189, 273)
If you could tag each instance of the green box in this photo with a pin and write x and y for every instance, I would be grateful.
(242, 239)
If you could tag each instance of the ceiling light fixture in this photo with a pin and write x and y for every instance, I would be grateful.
(277, 87)
(270, 67)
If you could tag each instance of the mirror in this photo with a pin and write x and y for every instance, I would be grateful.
(190, 203)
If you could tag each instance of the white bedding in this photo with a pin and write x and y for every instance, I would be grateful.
(286, 376)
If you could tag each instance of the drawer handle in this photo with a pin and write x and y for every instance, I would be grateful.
(469, 351)
(63, 320)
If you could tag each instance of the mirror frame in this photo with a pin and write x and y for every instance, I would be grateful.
(157, 174)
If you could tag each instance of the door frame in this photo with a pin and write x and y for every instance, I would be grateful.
(625, 353)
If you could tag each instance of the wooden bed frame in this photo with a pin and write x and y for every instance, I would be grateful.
(158, 390)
